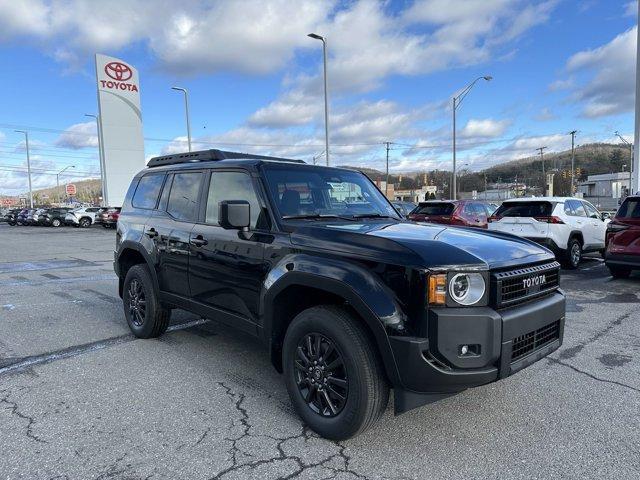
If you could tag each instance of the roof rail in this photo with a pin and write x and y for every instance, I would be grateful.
(208, 156)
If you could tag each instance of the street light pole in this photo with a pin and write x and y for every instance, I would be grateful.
(326, 98)
(186, 110)
(103, 182)
(630, 145)
(457, 100)
(26, 139)
(573, 170)
(58, 181)
(544, 177)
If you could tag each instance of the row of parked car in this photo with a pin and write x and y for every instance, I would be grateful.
(82, 217)
(569, 227)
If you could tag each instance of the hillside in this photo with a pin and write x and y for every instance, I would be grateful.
(88, 191)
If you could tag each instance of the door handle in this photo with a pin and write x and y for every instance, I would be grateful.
(199, 241)
(151, 233)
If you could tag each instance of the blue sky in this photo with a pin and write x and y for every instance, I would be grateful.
(255, 84)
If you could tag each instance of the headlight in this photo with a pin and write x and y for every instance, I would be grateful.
(466, 288)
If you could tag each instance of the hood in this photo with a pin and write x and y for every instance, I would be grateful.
(421, 245)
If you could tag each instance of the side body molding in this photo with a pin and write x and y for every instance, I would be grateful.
(374, 302)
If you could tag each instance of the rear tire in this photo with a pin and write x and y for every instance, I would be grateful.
(84, 222)
(346, 389)
(619, 272)
(55, 223)
(573, 254)
(146, 317)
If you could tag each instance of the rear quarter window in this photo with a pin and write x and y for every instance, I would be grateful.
(442, 208)
(524, 209)
(630, 208)
(146, 195)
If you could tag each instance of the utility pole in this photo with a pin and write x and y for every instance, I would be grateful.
(386, 185)
(573, 169)
(544, 176)
(630, 145)
(26, 139)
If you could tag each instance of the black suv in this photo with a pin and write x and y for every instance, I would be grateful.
(53, 217)
(349, 298)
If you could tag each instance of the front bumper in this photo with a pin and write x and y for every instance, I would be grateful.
(435, 365)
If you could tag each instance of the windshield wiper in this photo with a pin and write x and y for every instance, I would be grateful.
(315, 216)
(371, 215)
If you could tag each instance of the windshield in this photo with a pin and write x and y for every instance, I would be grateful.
(524, 209)
(301, 191)
(435, 208)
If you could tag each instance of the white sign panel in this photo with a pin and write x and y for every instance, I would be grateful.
(120, 126)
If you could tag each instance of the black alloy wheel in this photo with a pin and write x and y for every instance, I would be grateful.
(137, 303)
(321, 375)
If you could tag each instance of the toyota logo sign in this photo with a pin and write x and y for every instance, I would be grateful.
(118, 71)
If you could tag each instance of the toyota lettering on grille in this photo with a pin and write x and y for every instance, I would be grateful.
(534, 281)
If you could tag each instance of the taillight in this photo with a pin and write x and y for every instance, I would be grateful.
(616, 227)
(550, 219)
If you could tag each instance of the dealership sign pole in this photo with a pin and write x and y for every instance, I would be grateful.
(635, 168)
(119, 126)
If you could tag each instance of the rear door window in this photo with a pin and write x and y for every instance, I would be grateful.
(436, 208)
(524, 209)
(146, 195)
(576, 207)
(183, 198)
(630, 208)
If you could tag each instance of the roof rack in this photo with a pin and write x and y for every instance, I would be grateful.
(208, 156)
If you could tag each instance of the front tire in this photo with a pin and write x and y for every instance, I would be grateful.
(573, 254)
(56, 223)
(85, 223)
(146, 317)
(334, 374)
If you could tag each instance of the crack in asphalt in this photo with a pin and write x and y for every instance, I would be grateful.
(571, 352)
(301, 466)
(591, 375)
(25, 363)
(12, 406)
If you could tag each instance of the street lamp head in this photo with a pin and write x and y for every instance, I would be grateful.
(179, 89)
(316, 36)
(488, 78)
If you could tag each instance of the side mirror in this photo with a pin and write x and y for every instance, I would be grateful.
(234, 214)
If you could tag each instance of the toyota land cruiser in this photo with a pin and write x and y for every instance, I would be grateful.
(350, 299)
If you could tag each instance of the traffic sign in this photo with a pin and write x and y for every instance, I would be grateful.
(71, 189)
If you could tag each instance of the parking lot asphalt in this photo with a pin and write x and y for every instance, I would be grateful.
(81, 398)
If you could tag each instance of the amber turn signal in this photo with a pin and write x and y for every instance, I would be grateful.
(437, 289)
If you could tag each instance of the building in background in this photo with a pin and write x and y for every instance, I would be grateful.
(605, 190)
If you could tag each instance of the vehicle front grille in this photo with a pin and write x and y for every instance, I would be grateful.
(529, 342)
(517, 286)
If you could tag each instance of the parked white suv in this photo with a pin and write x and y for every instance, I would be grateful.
(81, 217)
(566, 226)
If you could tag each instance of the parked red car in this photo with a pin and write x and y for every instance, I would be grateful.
(108, 217)
(467, 213)
(622, 254)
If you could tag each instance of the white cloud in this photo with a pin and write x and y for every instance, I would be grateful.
(631, 9)
(79, 135)
(545, 115)
(562, 84)
(610, 88)
(291, 109)
(484, 128)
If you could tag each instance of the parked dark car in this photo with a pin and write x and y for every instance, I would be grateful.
(53, 217)
(466, 213)
(349, 298)
(12, 215)
(108, 217)
(404, 208)
(23, 215)
(622, 254)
